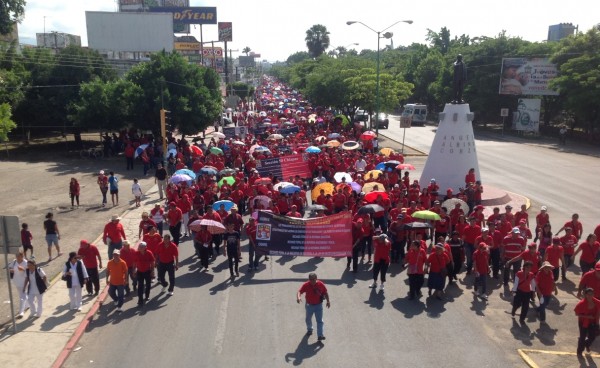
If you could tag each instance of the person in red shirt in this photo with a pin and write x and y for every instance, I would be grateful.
(555, 255)
(588, 313)
(253, 257)
(144, 264)
(168, 262)
(522, 215)
(91, 260)
(145, 224)
(470, 177)
(575, 225)
(436, 266)
(294, 212)
(174, 218)
(129, 153)
(481, 260)
(589, 251)
(541, 219)
(185, 205)
(216, 238)
(202, 241)
(590, 279)
(530, 255)
(545, 287)
(113, 235)
(569, 243)
(316, 292)
(512, 246)
(442, 226)
(470, 234)
(128, 255)
(381, 259)
(522, 288)
(234, 218)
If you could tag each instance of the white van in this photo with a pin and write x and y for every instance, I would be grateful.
(417, 112)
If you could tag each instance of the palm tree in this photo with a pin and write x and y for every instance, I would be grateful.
(317, 40)
(246, 50)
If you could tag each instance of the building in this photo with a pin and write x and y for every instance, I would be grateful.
(559, 31)
(57, 40)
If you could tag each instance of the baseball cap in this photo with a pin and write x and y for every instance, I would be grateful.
(116, 251)
(484, 229)
(83, 242)
(482, 244)
(544, 208)
(532, 245)
(516, 230)
(142, 244)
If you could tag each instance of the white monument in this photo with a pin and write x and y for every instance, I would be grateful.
(453, 150)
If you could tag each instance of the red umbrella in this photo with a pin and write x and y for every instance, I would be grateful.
(213, 227)
(368, 135)
(196, 151)
(371, 197)
(263, 181)
(405, 167)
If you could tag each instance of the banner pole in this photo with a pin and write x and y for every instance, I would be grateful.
(10, 295)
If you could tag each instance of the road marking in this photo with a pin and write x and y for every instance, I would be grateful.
(524, 353)
(222, 322)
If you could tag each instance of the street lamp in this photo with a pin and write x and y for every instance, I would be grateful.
(379, 36)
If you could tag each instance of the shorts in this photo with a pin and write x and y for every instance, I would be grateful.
(114, 191)
(27, 246)
(51, 239)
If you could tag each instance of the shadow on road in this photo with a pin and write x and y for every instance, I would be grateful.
(376, 299)
(409, 308)
(522, 332)
(51, 322)
(304, 351)
(305, 267)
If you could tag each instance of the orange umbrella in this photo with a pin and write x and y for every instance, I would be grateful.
(327, 187)
(370, 187)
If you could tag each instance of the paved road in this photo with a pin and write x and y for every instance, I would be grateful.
(255, 321)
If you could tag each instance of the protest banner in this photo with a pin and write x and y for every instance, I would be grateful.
(285, 166)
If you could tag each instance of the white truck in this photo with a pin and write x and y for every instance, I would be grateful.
(416, 112)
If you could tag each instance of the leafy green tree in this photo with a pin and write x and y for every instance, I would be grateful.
(439, 41)
(297, 57)
(317, 40)
(246, 50)
(11, 12)
(6, 123)
(241, 89)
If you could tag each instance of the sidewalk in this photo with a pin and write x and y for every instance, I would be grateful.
(39, 342)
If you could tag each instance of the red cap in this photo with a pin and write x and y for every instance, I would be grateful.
(84, 242)
(172, 204)
(556, 239)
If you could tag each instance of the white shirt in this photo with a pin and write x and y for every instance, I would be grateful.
(136, 189)
(33, 289)
(19, 276)
(360, 165)
(74, 276)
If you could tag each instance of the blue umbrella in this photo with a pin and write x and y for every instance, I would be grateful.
(208, 171)
(382, 166)
(262, 149)
(187, 172)
(290, 189)
(313, 149)
(140, 149)
(179, 178)
(228, 204)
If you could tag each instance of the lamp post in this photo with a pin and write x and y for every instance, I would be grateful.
(379, 36)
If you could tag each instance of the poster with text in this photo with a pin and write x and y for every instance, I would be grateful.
(285, 166)
(527, 116)
(527, 76)
(329, 236)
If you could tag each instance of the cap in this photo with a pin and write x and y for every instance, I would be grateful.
(116, 251)
(436, 202)
(508, 207)
(378, 230)
(115, 218)
(522, 221)
(556, 239)
(101, 172)
(400, 215)
(172, 204)
(396, 186)
(546, 264)
(484, 229)
(479, 207)
(432, 180)
(544, 208)
(83, 242)
(449, 190)
(234, 207)
(516, 230)
(439, 246)
(532, 245)
(142, 244)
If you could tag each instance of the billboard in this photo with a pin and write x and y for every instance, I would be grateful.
(247, 61)
(527, 116)
(212, 57)
(190, 15)
(225, 31)
(134, 32)
(145, 5)
(527, 76)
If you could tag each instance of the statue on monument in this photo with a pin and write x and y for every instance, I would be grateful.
(460, 77)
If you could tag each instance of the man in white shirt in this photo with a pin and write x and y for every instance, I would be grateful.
(360, 164)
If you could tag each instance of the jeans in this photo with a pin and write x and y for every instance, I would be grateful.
(587, 335)
(415, 283)
(516, 266)
(481, 283)
(170, 269)
(380, 267)
(112, 246)
(175, 232)
(104, 191)
(354, 258)
(317, 310)
(542, 308)
(367, 246)
(117, 292)
(469, 249)
(252, 263)
(495, 257)
(457, 260)
(232, 258)
(521, 300)
(129, 163)
(159, 227)
(93, 283)
(204, 255)
(398, 250)
(144, 282)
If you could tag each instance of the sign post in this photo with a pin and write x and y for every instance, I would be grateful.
(504, 114)
(10, 240)
(405, 122)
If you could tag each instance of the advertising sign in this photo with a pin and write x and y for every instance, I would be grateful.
(284, 166)
(190, 15)
(527, 116)
(525, 76)
(225, 31)
(232, 132)
(181, 46)
(405, 121)
(213, 58)
(247, 61)
(329, 236)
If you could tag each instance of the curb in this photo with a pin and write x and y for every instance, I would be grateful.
(421, 153)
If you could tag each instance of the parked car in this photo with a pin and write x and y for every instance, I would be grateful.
(361, 116)
(382, 121)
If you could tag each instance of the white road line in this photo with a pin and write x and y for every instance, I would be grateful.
(222, 322)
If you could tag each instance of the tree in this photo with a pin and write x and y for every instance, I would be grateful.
(317, 40)
(246, 50)
(241, 89)
(6, 123)
(11, 12)
(297, 57)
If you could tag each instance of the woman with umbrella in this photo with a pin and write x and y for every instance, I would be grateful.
(202, 242)
(436, 266)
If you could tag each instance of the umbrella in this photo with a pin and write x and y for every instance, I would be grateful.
(334, 135)
(216, 150)
(370, 208)
(208, 170)
(451, 203)
(172, 152)
(339, 175)
(333, 144)
(263, 181)
(317, 207)
(344, 118)
(368, 187)
(179, 178)
(282, 184)
(256, 213)
(187, 172)
(372, 196)
(350, 145)
(228, 179)
(327, 187)
(139, 150)
(290, 189)
(368, 135)
(227, 172)
(196, 151)
(386, 151)
(417, 225)
(381, 166)
(264, 200)
(261, 149)
(373, 174)
(213, 227)
(426, 215)
(356, 187)
(274, 137)
(313, 149)
(238, 143)
(227, 204)
(219, 135)
(405, 167)
(392, 164)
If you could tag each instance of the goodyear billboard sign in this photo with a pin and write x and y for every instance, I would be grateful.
(190, 15)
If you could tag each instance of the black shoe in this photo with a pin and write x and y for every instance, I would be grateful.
(308, 333)
(237, 274)
(321, 338)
